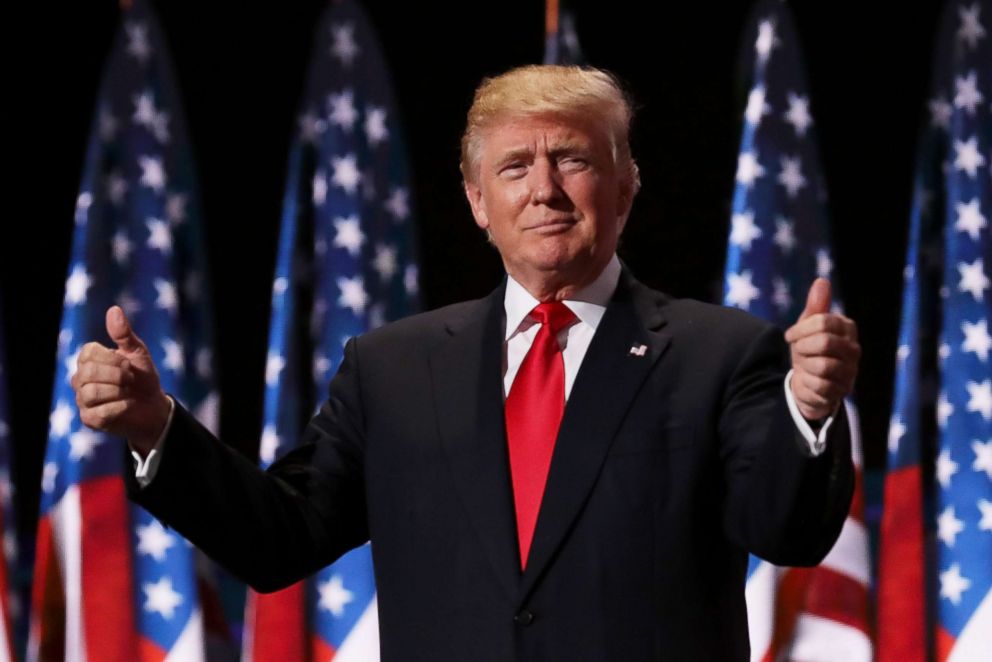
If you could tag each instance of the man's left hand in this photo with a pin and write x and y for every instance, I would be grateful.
(825, 353)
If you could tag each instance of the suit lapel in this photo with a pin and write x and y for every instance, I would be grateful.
(609, 378)
(466, 375)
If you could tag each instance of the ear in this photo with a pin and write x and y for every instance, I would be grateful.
(474, 194)
(625, 200)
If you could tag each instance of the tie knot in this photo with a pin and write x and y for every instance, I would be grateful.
(555, 314)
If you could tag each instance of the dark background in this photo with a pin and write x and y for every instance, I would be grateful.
(240, 69)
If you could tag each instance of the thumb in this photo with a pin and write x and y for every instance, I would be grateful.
(818, 299)
(120, 331)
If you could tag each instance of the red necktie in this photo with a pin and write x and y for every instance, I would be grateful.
(534, 408)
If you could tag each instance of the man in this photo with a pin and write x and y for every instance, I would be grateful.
(504, 524)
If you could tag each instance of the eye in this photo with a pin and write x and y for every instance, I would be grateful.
(513, 170)
(573, 164)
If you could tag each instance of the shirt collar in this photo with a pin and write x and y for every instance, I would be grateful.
(588, 304)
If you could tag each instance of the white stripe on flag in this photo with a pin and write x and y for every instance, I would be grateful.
(825, 640)
(975, 641)
(189, 645)
(67, 538)
(362, 643)
(760, 596)
(849, 554)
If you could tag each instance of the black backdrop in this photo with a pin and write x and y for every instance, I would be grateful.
(241, 66)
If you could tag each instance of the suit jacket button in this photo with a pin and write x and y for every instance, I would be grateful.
(524, 618)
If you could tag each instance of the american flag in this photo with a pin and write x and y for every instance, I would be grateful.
(943, 400)
(779, 243)
(112, 583)
(8, 524)
(346, 264)
(561, 41)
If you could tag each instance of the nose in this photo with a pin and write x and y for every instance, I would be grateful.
(544, 185)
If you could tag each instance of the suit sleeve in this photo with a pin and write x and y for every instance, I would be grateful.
(783, 503)
(270, 528)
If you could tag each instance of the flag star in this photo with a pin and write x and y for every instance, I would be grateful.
(944, 351)
(334, 596)
(944, 410)
(952, 584)
(144, 110)
(108, 125)
(757, 107)
(173, 360)
(967, 157)
(743, 230)
(986, 509)
(321, 364)
(65, 337)
(159, 235)
(273, 366)
(748, 169)
(946, 468)
(280, 285)
(76, 285)
(205, 363)
(983, 457)
(83, 443)
(48, 475)
(137, 42)
(152, 174)
(83, 203)
(980, 398)
(949, 526)
(160, 127)
(967, 94)
(970, 218)
(311, 127)
(976, 339)
(269, 445)
(791, 176)
(785, 236)
(121, 247)
(346, 173)
(781, 296)
(896, 432)
(154, 540)
(116, 187)
(973, 278)
(824, 265)
(902, 353)
(167, 299)
(348, 234)
(319, 187)
(128, 303)
(970, 30)
(385, 262)
(766, 40)
(740, 290)
(353, 294)
(175, 208)
(798, 114)
(398, 204)
(344, 47)
(375, 125)
(341, 110)
(940, 113)
(411, 280)
(161, 598)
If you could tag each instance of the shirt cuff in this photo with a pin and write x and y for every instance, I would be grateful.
(817, 440)
(146, 467)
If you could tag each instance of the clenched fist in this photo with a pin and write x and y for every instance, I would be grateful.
(118, 390)
(825, 353)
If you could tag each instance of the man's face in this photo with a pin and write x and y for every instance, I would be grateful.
(552, 199)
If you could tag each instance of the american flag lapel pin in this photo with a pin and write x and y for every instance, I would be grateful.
(638, 350)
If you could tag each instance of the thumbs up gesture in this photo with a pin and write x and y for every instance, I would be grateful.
(825, 353)
(118, 390)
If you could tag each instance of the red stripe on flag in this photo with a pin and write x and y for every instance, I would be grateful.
(5, 597)
(47, 599)
(945, 643)
(149, 651)
(788, 603)
(108, 615)
(279, 630)
(857, 511)
(321, 650)
(901, 598)
(837, 597)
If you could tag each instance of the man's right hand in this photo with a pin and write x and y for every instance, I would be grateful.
(118, 390)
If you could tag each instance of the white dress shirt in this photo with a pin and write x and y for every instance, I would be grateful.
(588, 304)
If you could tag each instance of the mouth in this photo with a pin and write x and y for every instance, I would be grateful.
(552, 225)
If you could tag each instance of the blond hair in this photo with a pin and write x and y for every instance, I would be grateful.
(550, 89)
